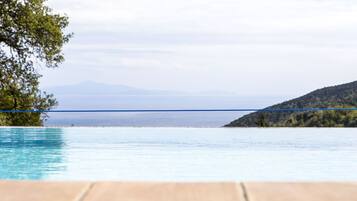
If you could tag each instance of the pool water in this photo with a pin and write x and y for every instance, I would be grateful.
(178, 154)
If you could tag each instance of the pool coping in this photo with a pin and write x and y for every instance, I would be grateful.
(176, 191)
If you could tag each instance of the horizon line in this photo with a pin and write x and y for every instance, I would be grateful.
(177, 110)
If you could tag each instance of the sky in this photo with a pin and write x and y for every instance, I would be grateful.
(248, 47)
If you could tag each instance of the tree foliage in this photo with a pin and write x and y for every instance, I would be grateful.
(31, 36)
(323, 119)
(262, 120)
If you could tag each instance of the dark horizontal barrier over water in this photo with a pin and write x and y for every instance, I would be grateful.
(179, 110)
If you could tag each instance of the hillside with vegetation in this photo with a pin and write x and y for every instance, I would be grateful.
(340, 96)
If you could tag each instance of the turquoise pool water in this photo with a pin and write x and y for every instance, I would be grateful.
(179, 154)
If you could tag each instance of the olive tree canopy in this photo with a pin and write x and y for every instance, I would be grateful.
(31, 35)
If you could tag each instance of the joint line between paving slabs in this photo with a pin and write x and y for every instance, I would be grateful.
(84, 193)
(244, 190)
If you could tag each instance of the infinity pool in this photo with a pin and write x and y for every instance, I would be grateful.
(178, 154)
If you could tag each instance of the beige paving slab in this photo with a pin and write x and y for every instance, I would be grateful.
(42, 191)
(301, 191)
(107, 191)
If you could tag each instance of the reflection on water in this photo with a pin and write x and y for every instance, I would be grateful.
(30, 153)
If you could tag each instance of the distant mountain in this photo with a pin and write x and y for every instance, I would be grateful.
(94, 88)
(340, 96)
(93, 95)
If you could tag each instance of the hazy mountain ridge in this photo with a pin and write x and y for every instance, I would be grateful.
(339, 96)
(93, 95)
(94, 88)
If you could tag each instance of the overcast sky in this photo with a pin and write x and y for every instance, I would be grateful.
(250, 47)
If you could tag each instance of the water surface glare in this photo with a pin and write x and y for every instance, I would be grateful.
(178, 154)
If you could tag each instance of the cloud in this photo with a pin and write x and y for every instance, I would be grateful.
(207, 16)
(246, 46)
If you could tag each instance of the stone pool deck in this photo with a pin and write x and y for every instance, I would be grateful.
(137, 191)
